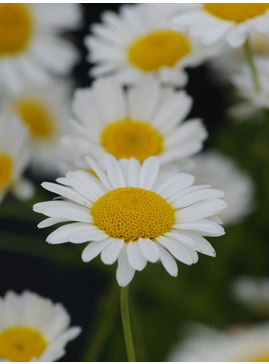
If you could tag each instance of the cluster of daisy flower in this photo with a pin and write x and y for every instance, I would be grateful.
(130, 182)
(35, 88)
(36, 60)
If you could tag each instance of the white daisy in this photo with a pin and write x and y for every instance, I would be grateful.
(133, 215)
(213, 22)
(45, 113)
(30, 47)
(254, 99)
(143, 121)
(32, 328)
(14, 158)
(254, 292)
(132, 43)
(240, 344)
(220, 171)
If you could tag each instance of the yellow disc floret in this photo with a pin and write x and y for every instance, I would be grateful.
(158, 49)
(236, 12)
(128, 138)
(37, 117)
(5, 170)
(21, 344)
(130, 213)
(15, 28)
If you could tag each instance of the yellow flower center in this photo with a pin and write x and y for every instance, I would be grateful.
(21, 344)
(158, 49)
(37, 118)
(128, 138)
(5, 170)
(131, 213)
(16, 27)
(236, 12)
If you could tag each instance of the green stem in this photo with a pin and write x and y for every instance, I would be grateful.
(249, 56)
(127, 324)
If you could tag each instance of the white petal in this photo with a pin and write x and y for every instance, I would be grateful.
(177, 249)
(66, 192)
(149, 249)
(149, 172)
(89, 234)
(114, 171)
(144, 98)
(168, 261)
(201, 210)
(135, 257)
(108, 90)
(203, 226)
(111, 252)
(60, 235)
(134, 168)
(174, 184)
(88, 184)
(64, 209)
(201, 244)
(50, 221)
(125, 272)
(197, 196)
(100, 173)
(93, 249)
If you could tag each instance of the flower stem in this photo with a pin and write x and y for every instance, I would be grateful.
(249, 57)
(127, 324)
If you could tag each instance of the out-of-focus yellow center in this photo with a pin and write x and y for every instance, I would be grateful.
(16, 27)
(21, 344)
(262, 357)
(158, 49)
(128, 138)
(236, 12)
(37, 117)
(131, 213)
(5, 170)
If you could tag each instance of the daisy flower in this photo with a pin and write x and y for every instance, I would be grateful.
(133, 215)
(30, 47)
(132, 44)
(237, 345)
(243, 81)
(224, 21)
(253, 292)
(14, 158)
(224, 174)
(143, 121)
(44, 112)
(32, 328)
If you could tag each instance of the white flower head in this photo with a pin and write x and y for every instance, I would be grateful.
(44, 112)
(220, 171)
(253, 292)
(31, 49)
(136, 42)
(14, 158)
(240, 344)
(132, 214)
(254, 99)
(144, 121)
(32, 328)
(214, 22)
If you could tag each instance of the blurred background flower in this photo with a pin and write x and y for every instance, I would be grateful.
(32, 328)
